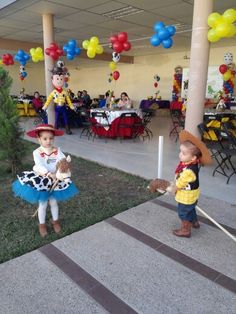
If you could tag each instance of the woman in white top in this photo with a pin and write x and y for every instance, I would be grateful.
(124, 102)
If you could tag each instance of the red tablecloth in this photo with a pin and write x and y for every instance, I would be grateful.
(115, 131)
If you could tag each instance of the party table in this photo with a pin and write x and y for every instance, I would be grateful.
(110, 123)
(154, 104)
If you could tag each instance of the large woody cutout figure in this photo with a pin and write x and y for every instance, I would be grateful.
(60, 98)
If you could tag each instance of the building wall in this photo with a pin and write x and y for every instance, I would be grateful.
(136, 79)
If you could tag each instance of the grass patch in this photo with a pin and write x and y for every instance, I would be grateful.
(104, 192)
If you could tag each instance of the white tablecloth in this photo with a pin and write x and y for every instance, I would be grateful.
(113, 114)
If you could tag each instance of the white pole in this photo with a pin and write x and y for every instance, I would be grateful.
(160, 158)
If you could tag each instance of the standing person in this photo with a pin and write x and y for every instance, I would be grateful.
(35, 186)
(193, 153)
(124, 102)
(86, 98)
(60, 98)
(38, 105)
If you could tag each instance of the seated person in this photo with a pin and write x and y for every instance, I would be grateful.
(37, 102)
(105, 102)
(124, 102)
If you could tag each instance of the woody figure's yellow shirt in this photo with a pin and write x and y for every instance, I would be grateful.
(59, 98)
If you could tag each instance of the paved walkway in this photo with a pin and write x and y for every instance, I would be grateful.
(130, 263)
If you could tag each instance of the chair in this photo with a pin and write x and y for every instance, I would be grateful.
(99, 123)
(129, 125)
(147, 117)
(178, 122)
(86, 123)
(227, 140)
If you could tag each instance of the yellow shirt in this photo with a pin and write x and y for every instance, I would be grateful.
(59, 98)
(184, 193)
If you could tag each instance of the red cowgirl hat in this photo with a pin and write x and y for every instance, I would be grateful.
(205, 159)
(44, 127)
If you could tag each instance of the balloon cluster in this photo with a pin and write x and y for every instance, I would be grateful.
(37, 54)
(228, 72)
(113, 65)
(22, 57)
(7, 59)
(71, 49)
(221, 25)
(54, 51)
(92, 46)
(163, 35)
(120, 42)
(22, 73)
(177, 82)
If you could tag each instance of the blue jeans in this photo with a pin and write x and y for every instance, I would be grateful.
(187, 212)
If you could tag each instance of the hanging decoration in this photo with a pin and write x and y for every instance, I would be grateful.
(120, 42)
(22, 57)
(92, 46)
(37, 54)
(163, 35)
(228, 71)
(54, 51)
(177, 83)
(71, 49)
(7, 59)
(221, 26)
(22, 73)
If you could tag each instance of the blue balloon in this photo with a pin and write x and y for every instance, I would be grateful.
(70, 56)
(155, 40)
(24, 74)
(20, 53)
(78, 51)
(22, 62)
(167, 43)
(158, 26)
(171, 29)
(163, 34)
(65, 47)
(72, 43)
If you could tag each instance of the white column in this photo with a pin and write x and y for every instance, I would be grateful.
(48, 38)
(199, 58)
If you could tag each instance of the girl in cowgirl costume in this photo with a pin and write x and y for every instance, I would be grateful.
(35, 186)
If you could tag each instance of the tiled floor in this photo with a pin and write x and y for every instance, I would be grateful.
(141, 158)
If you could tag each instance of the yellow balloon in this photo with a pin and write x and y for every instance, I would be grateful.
(91, 53)
(85, 44)
(222, 30)
(112, 65)
(1, 62)
(231, 30)
(32, 51)
(227, 75)
(229, 16)
(213, 19)
(212, 36)
(94, 40)
(99, 49)
(39, 50)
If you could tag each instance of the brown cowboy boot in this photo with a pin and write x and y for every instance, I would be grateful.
(185, 230)
(43, 230)
(56, 226)
(195, 224)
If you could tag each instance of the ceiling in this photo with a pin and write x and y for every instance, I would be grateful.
(82, 19)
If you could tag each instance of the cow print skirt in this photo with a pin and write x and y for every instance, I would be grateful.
(34, 188)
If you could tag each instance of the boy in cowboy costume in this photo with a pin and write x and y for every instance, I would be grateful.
(193, 153)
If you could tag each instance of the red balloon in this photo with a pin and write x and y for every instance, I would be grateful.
(155, 84)
(223, 68)
(116, 75)
(117, 47)
(113, 39)
(127, 46)
(122, 37)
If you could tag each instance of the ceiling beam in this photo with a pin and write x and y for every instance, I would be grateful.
(14, 45)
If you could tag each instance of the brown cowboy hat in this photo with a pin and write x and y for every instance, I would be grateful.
(206, 156)
(44, 127)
